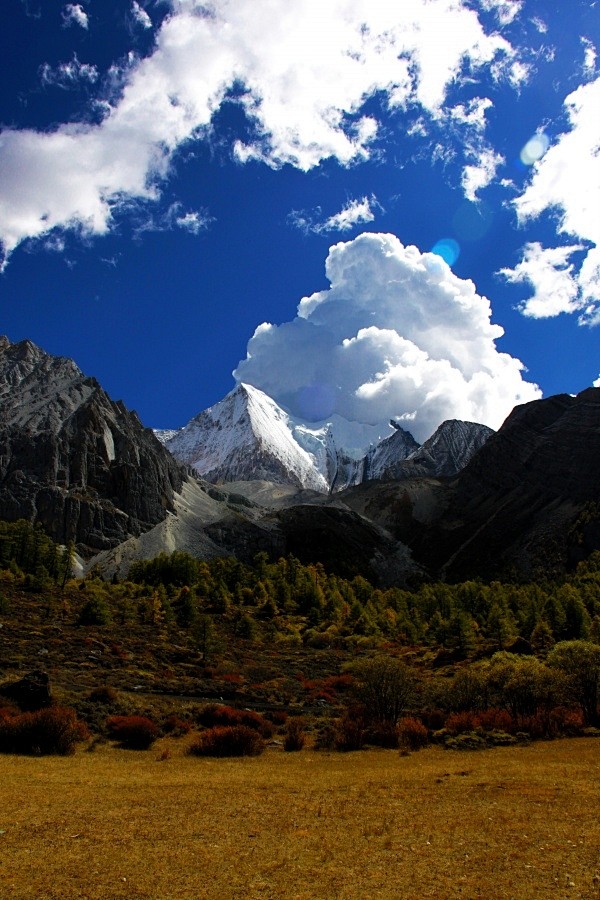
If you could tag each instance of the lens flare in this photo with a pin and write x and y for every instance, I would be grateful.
(448, 249)
(535, 148)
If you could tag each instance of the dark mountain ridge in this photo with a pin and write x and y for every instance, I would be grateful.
(74, 460)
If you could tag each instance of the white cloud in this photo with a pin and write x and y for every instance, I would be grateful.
(505, 10)
(145, 220)
(548, 271)
(74, 14)
(306, 69)
(478, 175)
(471, 113)
(540, 25)
(140, 15)
(355, 212)
(596, 383)
(396, 335)
(194, 222)
(68, 75)
(566, 179)
(589, 56)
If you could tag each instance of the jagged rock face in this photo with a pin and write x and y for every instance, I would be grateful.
(73, 459)
(391, 451)
(513, 505)
(446, 452)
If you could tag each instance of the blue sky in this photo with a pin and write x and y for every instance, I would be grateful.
(173, 174)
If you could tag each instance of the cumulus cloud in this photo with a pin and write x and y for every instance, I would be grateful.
(355, 212)
(596, 383)
(301, 71)
(397, 335)
(552, 278)
(74, 14)
(566, 179)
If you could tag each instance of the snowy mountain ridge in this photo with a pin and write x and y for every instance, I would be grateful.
(247, 436)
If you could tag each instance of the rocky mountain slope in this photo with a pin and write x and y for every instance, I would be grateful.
(86, 469)
(73, 459)
(529, 498)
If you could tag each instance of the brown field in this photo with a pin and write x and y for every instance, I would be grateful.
(502, 823)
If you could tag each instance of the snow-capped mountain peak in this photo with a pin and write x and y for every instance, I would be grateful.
(246, 436)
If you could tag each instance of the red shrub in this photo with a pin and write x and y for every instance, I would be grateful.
(460, 722)
(434, 719)
(133, 732)
(536, 726)
(566, 721)
(412, 734)
(350, 732)
(54, 730)
(7, 712)
(236, 740)
(495, 720)
(277, 716)
(175, 726)
(227, 716)
(339, 684)
(294, 735)
(381, 734)
(232, 678)
(103, 694)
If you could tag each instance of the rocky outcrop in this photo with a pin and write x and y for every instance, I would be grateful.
(30, 692)
(513, 508)
(73, 459)
(450, 448)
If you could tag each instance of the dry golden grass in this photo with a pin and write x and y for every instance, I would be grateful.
(502, 823)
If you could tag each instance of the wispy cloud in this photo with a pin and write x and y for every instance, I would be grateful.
(69, 74)
(74, 14)
(148, 220)
(355, 212)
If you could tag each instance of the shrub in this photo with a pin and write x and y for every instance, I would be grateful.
(227, 716)
(228, 740)
(133, 732)
(385, 686)
(55, 730)
(566, 721)
(495, 720)
(95, 612)
(412, 734)
(103, 695)
(382, 734)
(349, 732)
(176, 726)
(295, 737)
(462, 722)
(277, 716)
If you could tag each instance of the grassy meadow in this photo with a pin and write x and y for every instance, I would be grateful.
(514, 822)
